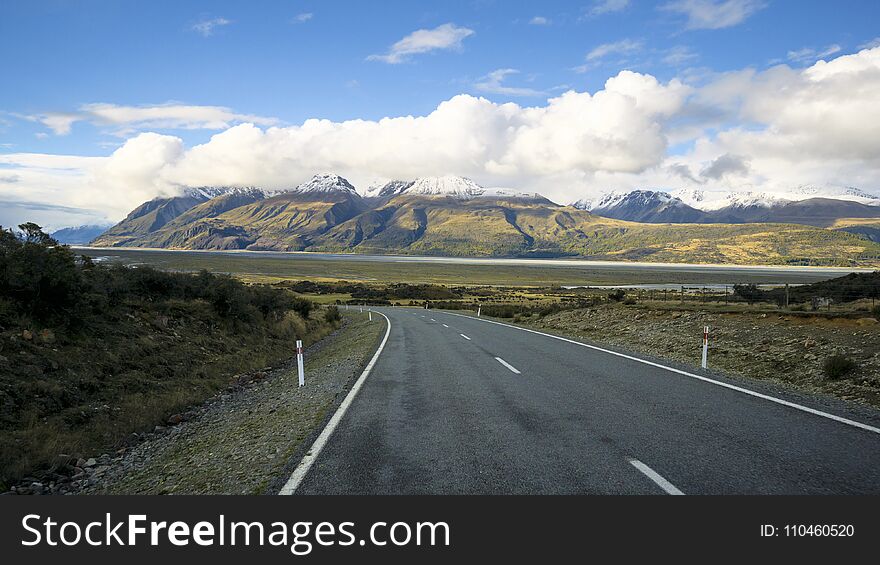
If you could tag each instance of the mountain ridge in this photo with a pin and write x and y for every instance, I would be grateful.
(456, 217)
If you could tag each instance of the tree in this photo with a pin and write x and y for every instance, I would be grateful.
(748, 292)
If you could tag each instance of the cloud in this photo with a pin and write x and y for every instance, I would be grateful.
(714, 14)
(493, 83)
(444, 37)
(205, 27)
(809, 55)
(617, 48)
(539, 21)
(128, 119)
(595, 57)
(734, 131)
(9, 179)
(726, 164)
(870, 44)
(602, 7)
(302, 18)
(678, 56)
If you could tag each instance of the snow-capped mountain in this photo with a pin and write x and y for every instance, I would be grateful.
(387, 189)
(453, 186)
(709, 199)
(209, 192)
(651, 206)
(448, 185)
(326, 182)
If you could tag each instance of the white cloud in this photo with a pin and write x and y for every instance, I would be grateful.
(714, 14)
(494, 83)
(206, 27)
(870, 44)
(679, 55)
(810, 55)
(302, 18)
(128, 119)
(444, 37)
(602, 7)
(595, 57)
(539, 21)
(749, 130)
(617, 48)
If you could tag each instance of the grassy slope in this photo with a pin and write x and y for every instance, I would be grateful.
(81, 392)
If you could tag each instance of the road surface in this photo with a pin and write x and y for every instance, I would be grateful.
(459, 405)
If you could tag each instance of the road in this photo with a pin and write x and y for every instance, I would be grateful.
(460, 405)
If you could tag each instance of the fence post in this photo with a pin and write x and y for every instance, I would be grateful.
(705, 345)
(299, 362)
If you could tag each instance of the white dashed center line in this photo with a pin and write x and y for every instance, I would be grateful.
(508, 365)
(464, 336)
(445, 326)
(656, 477)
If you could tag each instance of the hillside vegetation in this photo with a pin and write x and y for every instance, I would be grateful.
(90, 354)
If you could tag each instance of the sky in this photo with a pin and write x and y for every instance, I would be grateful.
(106, 104)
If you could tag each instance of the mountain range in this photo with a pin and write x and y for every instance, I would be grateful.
(662, 207)
(454, 216)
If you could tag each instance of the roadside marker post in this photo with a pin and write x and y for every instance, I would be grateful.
(705, 345)
(479, 308)
(370, 313)
(299, 362)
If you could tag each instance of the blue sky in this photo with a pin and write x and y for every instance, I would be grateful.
(83, 78)
(266, 62)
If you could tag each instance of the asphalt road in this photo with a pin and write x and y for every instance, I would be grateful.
(458, 405)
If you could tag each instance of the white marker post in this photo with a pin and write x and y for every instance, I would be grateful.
(299, 362)
(705, 344)
(479, 308)
(371, 315)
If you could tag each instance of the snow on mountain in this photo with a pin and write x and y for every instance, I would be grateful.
(326, 182)
(387, 189)
(448, 185)
(208, 192)
(708, 199)
(453, 186)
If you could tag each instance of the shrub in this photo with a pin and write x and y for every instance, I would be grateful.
(332, 315)
(838, 366)
(618, 295)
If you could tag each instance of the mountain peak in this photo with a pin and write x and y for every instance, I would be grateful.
(448, 185)
(326, 182)
(209, 192)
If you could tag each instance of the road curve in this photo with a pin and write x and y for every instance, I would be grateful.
(457, 405)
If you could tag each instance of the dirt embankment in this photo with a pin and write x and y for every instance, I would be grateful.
(782, 348)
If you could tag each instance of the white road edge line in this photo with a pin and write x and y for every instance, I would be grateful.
(767, 397)
(464, 336)
(508, 365)
(312, 454)
(656, 477)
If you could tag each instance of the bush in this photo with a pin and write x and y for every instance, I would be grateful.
(332, 315)
(876, 310)
(838, 366)
(748, 292)
(617, 296)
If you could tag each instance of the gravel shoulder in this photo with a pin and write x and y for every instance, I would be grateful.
(241, 441)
